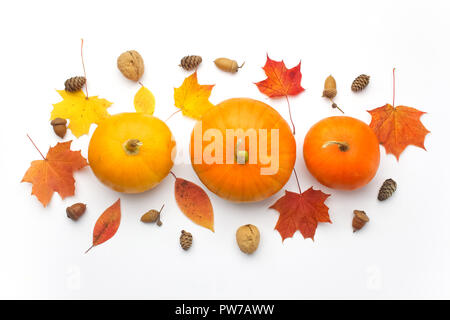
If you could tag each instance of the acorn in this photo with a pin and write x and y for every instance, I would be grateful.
(329, 88)
(152, 216)
(228, 65)
(359, 219)
(75, 211)
(59, 126)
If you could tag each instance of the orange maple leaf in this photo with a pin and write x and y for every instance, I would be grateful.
(55, 172)
(280, 80)
(398, 127)
(301, 211)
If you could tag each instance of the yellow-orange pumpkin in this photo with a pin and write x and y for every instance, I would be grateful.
(243, 179)
(131, 152)
(342, 152)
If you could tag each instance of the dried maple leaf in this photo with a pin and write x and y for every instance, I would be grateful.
(194, 203)
(398, 127)
(107, 225)
(81, 111)
(280, 80)
(144, 101)
(55, 172)
(192, 98)
(301, 211)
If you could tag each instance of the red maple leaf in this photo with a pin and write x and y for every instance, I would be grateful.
(280, 80)
(301, 211)
(55, 172)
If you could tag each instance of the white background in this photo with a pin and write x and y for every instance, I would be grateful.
(403, 252)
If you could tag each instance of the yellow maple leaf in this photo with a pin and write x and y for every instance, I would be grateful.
(144, 101)
(80, 111)
(192, 98)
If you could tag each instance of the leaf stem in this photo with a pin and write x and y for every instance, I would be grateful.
(393, 95)
(173, 174)
(298, 184)
(290, 115)
(84, 69)
(89, 249)
(172, 115)
(36, 147)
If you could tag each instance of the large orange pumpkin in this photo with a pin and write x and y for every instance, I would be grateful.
(131, 152)
(342, 152)
(246, 166)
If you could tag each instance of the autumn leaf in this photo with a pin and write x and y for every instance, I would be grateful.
(194, 203)
(55, 172)
(107, 225)
(280, 80)
(144, 101)
(398, 127)
(301, 211)
(81, 111)
(192, 98)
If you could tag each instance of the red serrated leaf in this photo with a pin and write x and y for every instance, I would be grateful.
(55, 172)
(398, 127)
(107, 225)
(301, 212)
(280, 80)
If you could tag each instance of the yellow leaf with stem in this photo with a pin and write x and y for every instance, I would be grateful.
(144, 101)
(81, 111)
(192, 98)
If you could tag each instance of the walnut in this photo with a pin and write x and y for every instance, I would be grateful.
(131, 64)
(247, 237)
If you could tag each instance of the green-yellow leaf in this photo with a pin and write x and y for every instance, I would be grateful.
(81, 111)
(144, 101)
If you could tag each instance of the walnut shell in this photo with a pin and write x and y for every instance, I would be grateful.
(131, 64)
(247, 237)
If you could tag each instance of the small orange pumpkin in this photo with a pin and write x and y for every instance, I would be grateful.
(342, 152)
(251, 165)
(131, 152)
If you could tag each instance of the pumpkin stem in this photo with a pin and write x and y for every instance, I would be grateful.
(343, 146)
(132, 146)
(241, 155)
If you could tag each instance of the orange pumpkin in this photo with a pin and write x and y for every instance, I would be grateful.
(342, 152)
(131, 152)
(243, 150)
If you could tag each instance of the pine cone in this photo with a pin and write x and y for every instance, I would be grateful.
(360, 82)
(74, 84)
(190, 62)
(387, 189)
(185, 240)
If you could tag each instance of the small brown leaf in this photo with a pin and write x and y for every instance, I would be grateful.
(107, 225)
(194, 203)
